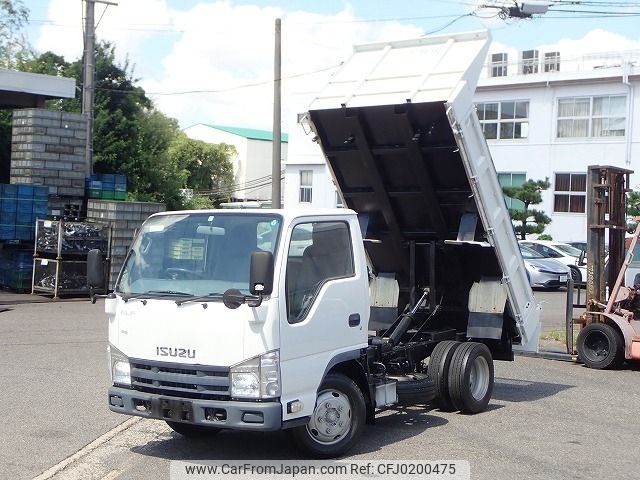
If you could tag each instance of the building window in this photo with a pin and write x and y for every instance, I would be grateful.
(552, 62)
(306, 185)
(603, 116)
(504, 120)
(512, 179)
(498, 65)
(529, 62)
(570, 192)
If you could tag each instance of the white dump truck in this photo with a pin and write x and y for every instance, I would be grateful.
(312, 321)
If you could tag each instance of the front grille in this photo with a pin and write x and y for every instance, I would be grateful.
(179, 380)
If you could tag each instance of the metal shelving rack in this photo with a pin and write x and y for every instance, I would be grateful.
(60, 252)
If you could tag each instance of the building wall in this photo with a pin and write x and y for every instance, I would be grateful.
(251, 164)
(258, 169)
(543, 154)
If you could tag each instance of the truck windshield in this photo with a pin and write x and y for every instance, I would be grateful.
(198, 253)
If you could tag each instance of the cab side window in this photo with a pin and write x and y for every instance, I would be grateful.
(318, 252)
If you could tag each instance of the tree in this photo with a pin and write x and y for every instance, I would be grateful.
(633, 203)
(529, 193)
(14, 45)
(208, 165)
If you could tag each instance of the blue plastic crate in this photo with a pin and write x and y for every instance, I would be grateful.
(40, 192)
(40, 209)
(108, 177)
(7, 218)
(9, 205)
(95, 185)
(24, 205)
(109, 186)
(121, 187)
(9, 191)
(24, 218)
(120, 179)
(7, 232)
(24, 232)
(25, 191)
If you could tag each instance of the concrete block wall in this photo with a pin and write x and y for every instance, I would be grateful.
(125, 219)
(48, 148)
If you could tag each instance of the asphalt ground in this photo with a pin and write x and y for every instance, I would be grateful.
(547, 419)
(53, 379)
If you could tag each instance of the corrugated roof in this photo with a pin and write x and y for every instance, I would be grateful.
(250, 133)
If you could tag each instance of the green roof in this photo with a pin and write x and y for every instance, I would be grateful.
(250, 133)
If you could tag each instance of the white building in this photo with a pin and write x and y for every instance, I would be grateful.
(252, 163)
(545, 115)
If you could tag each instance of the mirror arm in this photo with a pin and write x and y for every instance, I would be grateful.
(253, 301)
(93, 296)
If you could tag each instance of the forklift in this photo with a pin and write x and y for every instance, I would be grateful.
(610, 327)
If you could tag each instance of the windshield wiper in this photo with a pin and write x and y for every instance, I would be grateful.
(209, 296)
(155, 293)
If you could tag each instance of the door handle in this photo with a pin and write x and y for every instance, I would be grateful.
(354, 319)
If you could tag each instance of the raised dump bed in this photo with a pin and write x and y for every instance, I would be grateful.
(401, 137)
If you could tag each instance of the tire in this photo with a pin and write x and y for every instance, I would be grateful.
(438, 372)
(192, 431)
(339, 401)
(576, 276)
(471, 377)
(600, 346)
(414, 389)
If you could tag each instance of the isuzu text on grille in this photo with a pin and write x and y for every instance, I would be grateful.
(175, 352)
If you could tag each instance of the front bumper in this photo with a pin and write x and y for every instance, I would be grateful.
(257, 416)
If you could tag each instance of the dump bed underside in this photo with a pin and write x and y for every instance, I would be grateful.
(399, 167)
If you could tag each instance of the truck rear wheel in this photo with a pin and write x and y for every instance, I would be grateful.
(600, 346)
(471, 377)
(337, 421)
(438, 372)
(192, 431)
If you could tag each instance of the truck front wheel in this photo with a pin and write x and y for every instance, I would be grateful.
(337, 421)
(471, 377)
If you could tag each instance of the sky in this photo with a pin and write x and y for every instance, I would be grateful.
(212, 61)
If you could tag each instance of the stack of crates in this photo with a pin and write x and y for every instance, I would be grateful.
(20, 206)
(106, 186)
(16, 268)
(125, 218)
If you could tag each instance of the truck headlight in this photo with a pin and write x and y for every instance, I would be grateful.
(120, 367)
(257, 377)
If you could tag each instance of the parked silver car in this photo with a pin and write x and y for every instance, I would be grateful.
(543, 271)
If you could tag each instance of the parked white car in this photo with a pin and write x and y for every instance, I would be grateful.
(543, 271)
(562, 252)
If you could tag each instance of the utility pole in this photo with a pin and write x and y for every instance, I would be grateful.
(277, 135)
(87, 81)
(88, 75)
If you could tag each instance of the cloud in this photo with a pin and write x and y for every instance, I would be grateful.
(129, 25)
(219, 47)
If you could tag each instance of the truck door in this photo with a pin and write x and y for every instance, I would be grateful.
(325, 302)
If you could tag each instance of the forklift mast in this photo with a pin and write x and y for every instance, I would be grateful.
(606, 214)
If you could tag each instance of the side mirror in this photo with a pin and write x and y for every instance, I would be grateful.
(582, 259)
(95, 272)
(261, 276)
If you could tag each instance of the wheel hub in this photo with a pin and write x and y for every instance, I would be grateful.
(479, 378)
(331, 418)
